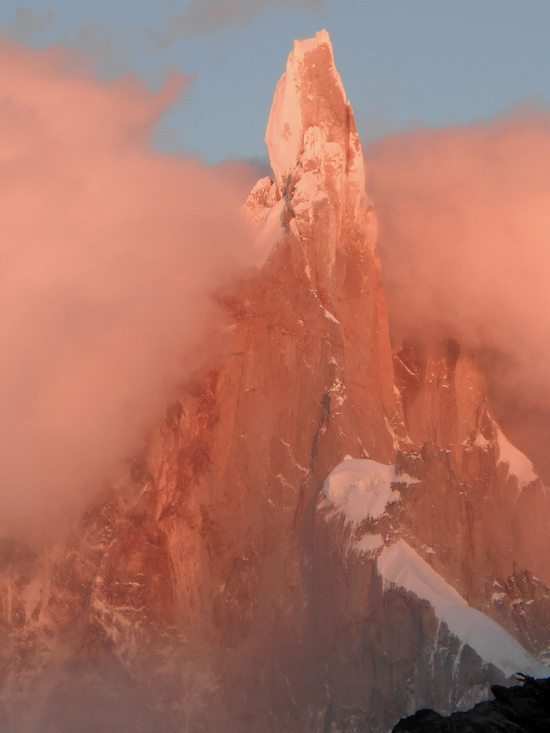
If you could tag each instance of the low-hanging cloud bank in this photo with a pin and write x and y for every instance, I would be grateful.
(109, 254)
(465, 248)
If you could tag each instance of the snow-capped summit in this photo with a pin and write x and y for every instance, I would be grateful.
(318, 191)
(310, 94)
(311, 131)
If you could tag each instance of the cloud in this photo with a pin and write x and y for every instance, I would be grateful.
(27, 22)
(110, 254)
(465, 249)
(109, 49)
(202, 17)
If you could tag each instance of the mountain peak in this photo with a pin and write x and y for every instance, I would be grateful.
(311, 116)
(301, 46)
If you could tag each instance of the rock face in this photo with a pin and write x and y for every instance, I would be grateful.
(524, 709)
(321, 536)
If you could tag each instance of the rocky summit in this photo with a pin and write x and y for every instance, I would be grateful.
(323, 534)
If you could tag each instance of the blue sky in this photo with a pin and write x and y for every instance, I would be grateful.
(404, 62)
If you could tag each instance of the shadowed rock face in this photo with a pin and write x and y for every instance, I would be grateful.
(524, 709)
(216, 586)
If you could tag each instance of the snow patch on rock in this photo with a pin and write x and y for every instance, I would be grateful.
(481, 442)
(368, 544)
(399, 565)
(360, 488)
(518, 463)
(329, 316)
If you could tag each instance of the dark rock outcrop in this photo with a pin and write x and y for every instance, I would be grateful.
(524, 708)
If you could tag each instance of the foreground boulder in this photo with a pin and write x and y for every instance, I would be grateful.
(525, 707)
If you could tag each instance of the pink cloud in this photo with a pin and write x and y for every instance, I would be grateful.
(110, 253)
(465, 246)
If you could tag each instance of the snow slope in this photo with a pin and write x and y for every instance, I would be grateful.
(401, 566)
(518, 463)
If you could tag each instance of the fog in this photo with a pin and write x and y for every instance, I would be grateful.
(465, 249)
(109, 256)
